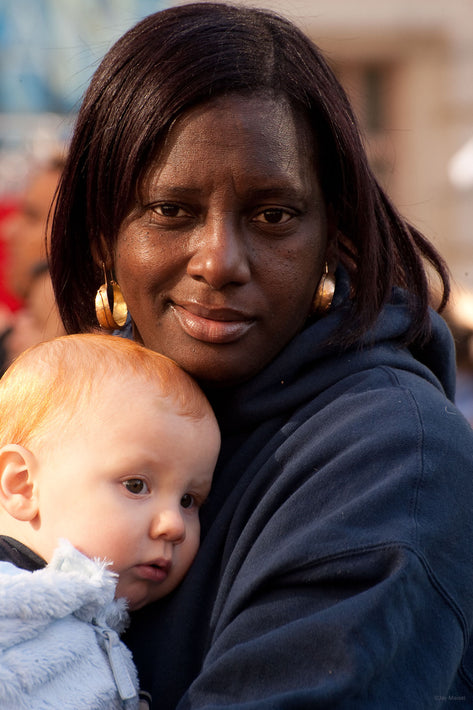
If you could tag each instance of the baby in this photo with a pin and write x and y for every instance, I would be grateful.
(107, 452)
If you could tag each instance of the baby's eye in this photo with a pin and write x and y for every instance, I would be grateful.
(187, 500)
(136, 486)
(273, 215)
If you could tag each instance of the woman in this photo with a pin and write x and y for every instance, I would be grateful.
(217, 185)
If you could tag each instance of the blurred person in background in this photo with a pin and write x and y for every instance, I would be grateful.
(8, 302)
(458, 318)
(25, 233)
(464, 353)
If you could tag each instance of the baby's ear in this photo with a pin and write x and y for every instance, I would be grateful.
(17, 489)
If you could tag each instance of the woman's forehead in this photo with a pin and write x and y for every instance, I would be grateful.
(263, 129)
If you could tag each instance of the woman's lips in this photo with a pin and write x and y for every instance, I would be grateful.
(212, 326)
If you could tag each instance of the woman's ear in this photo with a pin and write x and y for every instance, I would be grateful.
(18, 494)
(101, 254)
(332, 254)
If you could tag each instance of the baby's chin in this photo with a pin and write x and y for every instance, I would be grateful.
(137, 599)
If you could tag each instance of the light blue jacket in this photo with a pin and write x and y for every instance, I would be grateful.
(59, 637)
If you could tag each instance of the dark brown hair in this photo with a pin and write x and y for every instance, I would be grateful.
(185, 55)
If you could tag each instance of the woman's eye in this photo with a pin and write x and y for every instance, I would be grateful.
(169, 210)
(187, 500)
(136, 486)
(273, 215)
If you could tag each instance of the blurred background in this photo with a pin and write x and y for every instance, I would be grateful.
(407, 66)
(48, 52)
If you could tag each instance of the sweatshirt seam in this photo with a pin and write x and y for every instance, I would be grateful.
(420, 438)
(434, 581)
(449, 600)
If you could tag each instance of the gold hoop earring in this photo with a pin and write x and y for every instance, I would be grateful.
(114, 317)
(324, 294)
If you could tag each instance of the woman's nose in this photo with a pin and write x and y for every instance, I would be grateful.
(220, 255)
(168, 524)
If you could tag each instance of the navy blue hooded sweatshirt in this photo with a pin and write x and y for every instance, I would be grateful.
(336, 565)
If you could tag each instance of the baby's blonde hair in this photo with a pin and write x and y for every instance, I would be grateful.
(49, 384)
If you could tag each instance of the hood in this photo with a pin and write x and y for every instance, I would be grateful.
(308, 365)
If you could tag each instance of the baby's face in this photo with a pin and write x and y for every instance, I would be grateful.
(127, 487)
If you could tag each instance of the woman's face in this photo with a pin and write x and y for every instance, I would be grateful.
(220, 264)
